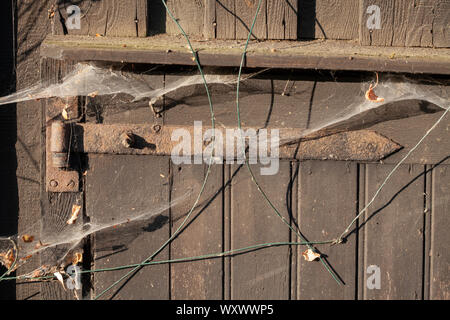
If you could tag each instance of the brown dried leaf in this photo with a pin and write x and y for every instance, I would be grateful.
(310, 255)
(77, 258)
(27, 238)
(371, 96)
(93, 94)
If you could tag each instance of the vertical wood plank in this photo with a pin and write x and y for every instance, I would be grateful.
(328, 19)
(327, 203)
(441, 25)
(245, 11)
(291, 20)
(201, 235)
(418, 23)
(209, 25)
(116, 185)
(32, 28)
(282, 19)
(261, 274)
(226, 19)
(393, 232)
(190, 14)
(440, 238)
(56, 208)
(116, 18)
(227, 210)
(337, 19)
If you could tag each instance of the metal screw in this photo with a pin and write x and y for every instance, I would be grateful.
(157, 128)
(71, 184)
(53, 183)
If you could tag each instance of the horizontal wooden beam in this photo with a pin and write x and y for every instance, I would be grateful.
(324, 55)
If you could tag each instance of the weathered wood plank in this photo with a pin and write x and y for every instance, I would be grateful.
(190, 14)
(209, 25)
(441, 25)
(318, 55)
(337, 19)
(405, 23)
(282, 19)
(328, 19)
(245, 13)
(116, 185)
(225, 19)
(440, 238)
(106, 18)
(327, 202)
(201, 235)
(56, 208)
(393, 231)
(262, 274)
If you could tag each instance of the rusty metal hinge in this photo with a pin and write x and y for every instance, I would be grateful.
(142, 139)
(60, 177)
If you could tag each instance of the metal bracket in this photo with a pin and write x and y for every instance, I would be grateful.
(59, 176)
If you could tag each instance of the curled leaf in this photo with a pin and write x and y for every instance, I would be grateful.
(77, 258)
(370, 94)
(76, 209)
(27, 238)
(59, 276)
(310, 255)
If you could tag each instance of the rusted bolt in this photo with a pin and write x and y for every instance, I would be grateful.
(127, 139)
(157, 128)
(53, 183)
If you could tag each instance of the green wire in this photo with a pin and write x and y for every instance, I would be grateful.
(207, 173)
(243, 144)
(187, 259)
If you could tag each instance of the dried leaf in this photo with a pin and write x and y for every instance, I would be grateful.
(76, 209)
(27, 238)
(371, 96)
(7, 259)
(60, 278)
(77, 258)
(65, 115)
(310, 255)
(93, 94)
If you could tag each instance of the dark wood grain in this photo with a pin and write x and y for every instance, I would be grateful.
(407, 23)
(336, 19)
(262, 274)
(245, 13)
(282, 19)
(116, 185)
(225, 19)
(393, 231)
(440, 259)
(107, 18)
(201, 235)
(190, 14)
(324, 189)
